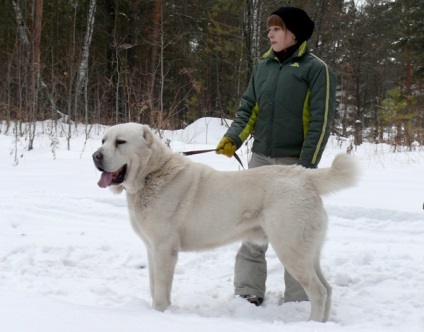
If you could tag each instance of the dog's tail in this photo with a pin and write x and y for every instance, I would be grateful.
(343, 173)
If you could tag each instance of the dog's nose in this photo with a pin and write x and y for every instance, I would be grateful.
(97, 156)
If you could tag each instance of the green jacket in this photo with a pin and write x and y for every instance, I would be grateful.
(288, 107)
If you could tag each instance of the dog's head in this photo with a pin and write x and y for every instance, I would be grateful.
(125, 152)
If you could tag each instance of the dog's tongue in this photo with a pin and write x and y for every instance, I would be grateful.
(105, 179)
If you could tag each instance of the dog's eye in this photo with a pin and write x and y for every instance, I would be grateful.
(120, 142)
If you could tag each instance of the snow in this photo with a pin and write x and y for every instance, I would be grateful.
(69, 260)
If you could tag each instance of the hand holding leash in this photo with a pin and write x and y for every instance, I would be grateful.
(226, 146)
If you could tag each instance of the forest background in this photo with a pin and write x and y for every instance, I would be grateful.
(168, 63)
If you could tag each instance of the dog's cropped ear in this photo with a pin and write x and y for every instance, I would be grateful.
(147, 135)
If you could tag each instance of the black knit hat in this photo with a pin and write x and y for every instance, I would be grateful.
(297, 21)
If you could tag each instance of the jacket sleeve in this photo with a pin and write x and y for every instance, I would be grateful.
(322, 100)
(246, 114)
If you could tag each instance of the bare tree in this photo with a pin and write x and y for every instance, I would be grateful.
(83, 66)
(85, 53)
(155, 45)
(32, 55)
(253, 30)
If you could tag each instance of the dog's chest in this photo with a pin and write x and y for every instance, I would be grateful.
(139, 204)
(141, 207)
(141, 200)
(140, 218)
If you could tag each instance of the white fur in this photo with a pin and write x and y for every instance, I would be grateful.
(179, 205)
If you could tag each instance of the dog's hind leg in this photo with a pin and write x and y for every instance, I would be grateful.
(300, 264)
(321, 277)
(316, 291)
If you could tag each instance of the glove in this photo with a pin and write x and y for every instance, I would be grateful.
(226, 146)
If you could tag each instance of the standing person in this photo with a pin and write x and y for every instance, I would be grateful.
(288, 107)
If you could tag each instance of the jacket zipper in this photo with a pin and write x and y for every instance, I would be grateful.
(271, 132)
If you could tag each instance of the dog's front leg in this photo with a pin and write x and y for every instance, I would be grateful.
(164, 259)
(151, 271)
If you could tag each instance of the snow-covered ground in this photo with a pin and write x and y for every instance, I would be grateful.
(69, 260)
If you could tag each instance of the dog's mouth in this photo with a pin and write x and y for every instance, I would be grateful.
(112, 178)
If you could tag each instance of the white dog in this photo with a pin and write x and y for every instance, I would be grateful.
(179, 205)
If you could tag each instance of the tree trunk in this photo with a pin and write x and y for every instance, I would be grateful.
(85, 53)
(25, 41)
(132, 35)
(155, 44)
(35, 77)
(253, 31)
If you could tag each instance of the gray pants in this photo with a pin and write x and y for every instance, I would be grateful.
(250, 269)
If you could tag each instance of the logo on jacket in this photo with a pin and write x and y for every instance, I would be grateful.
(295, 64)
